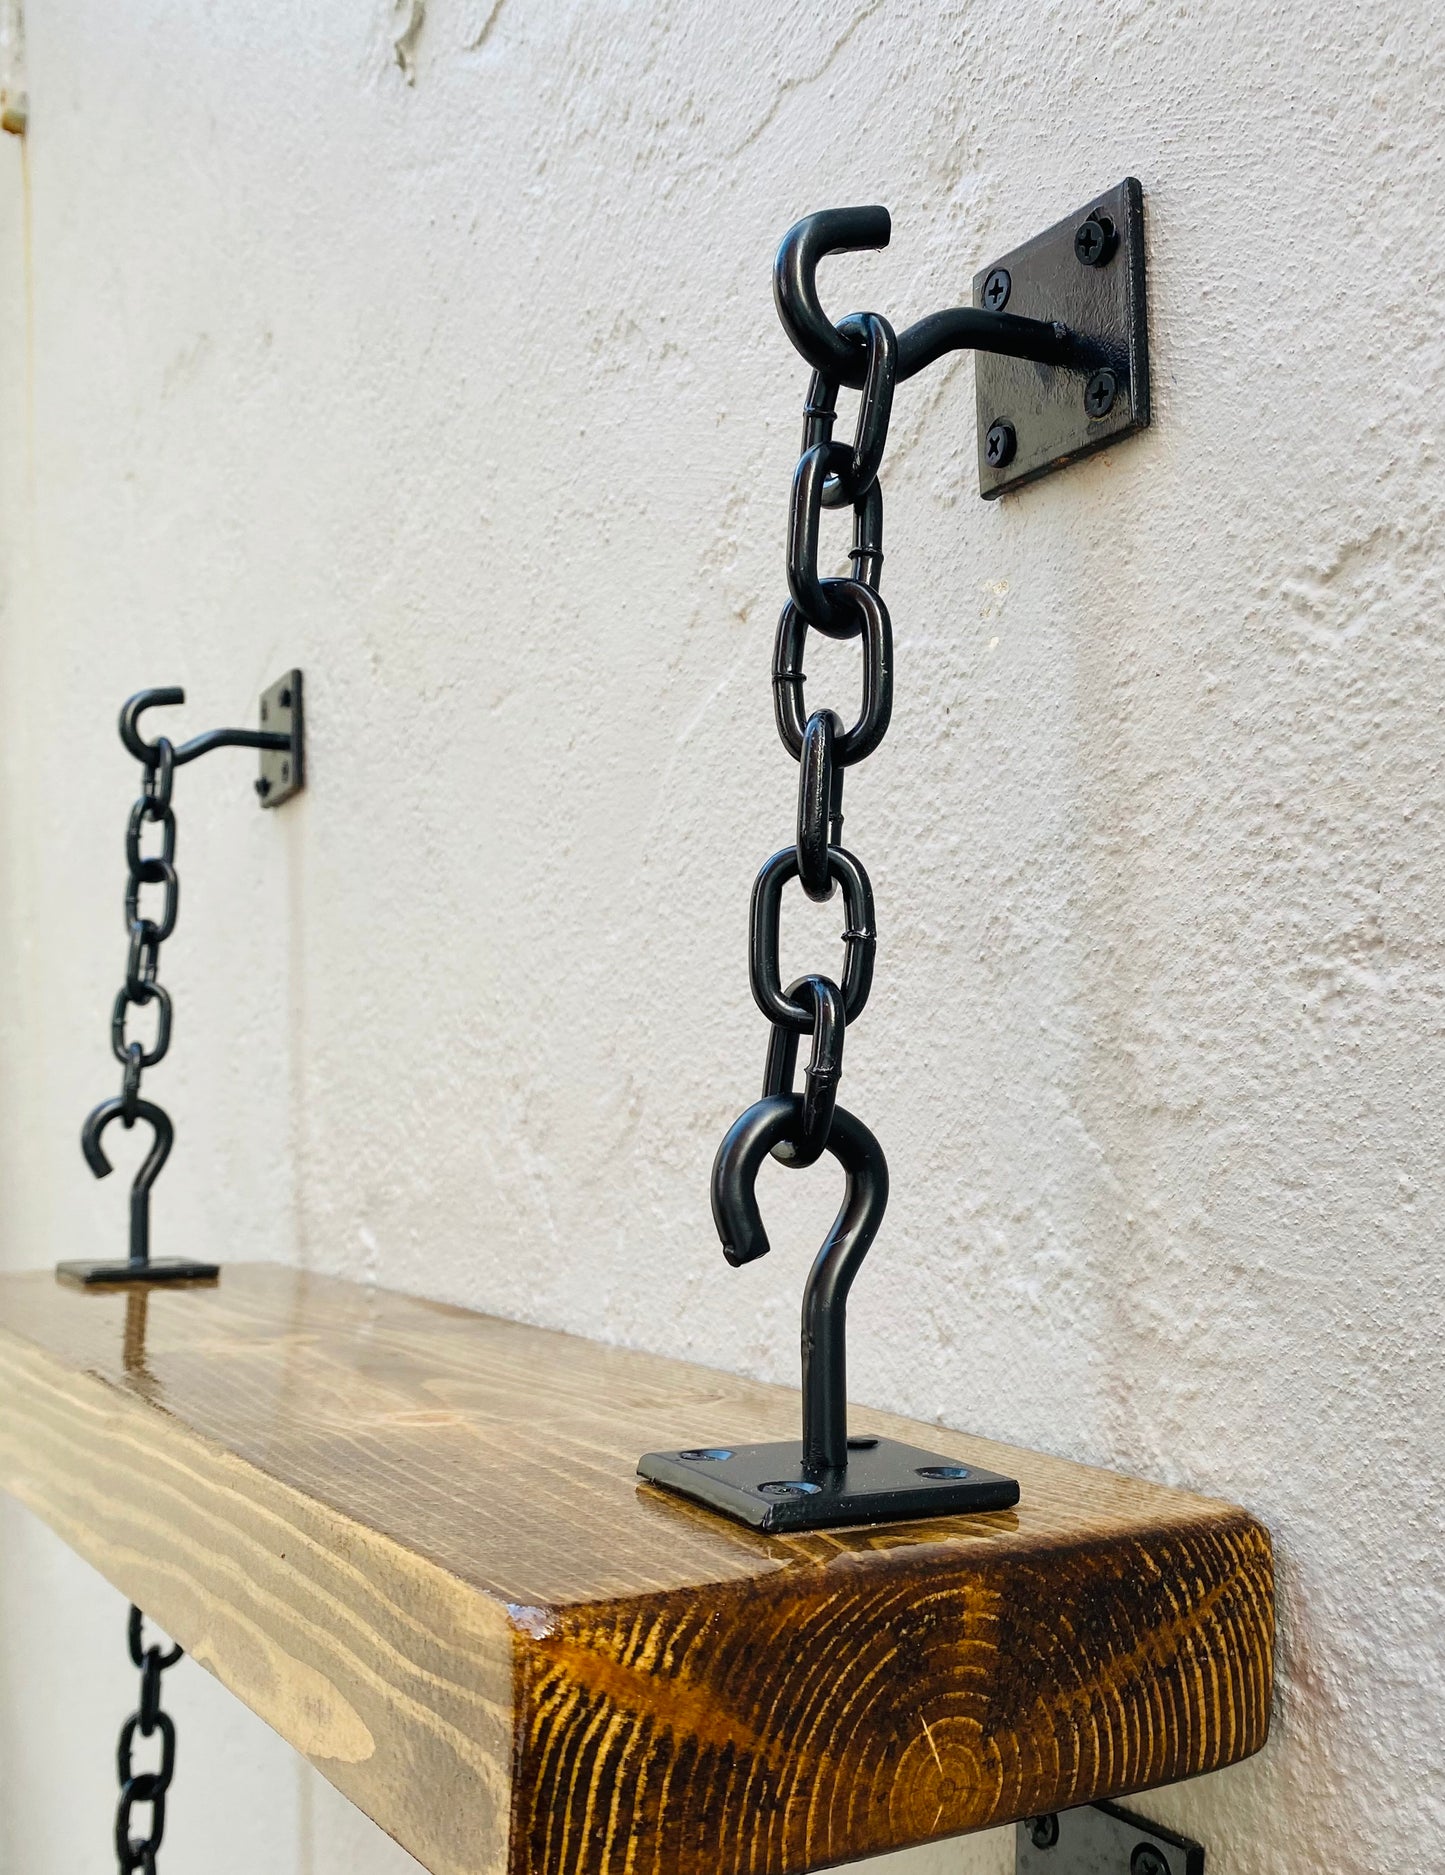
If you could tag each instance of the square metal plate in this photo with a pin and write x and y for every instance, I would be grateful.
(283, 771)
(883, 1482)
(1102, 1839)
(1104, 303)
(160, 1270)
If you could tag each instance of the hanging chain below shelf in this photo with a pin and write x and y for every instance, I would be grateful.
(144, 1787)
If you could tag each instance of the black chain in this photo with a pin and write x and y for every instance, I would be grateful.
(142, 987)
(828, 475)
(146, 934)
(144, 1787)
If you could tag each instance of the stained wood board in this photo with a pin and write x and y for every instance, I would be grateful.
(410, 1538)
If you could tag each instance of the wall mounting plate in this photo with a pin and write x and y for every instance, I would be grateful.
(1033, 419)
(283, 771)
(1102, 1839)
(768, 1486)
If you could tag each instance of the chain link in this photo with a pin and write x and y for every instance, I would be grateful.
(144, 1787)
(829, 475)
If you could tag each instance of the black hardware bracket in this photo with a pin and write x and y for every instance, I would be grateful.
(1102, 1839)
(1059, 326)
(825, 1477)
(283, 765)
(281, 742)
(1086, 273)
(772, 1487)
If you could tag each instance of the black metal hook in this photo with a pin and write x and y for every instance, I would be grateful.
(140, 1191)
(151, 752)
(740, 1157)
(841, 353)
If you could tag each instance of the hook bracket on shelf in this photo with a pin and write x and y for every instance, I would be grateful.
(280, 741)
(826, 1477)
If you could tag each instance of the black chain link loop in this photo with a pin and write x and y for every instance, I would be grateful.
(130, 1086)
(154, 872)
(820, 804)
(820, 1077)
(144, 1787)
(143, 959)
(120, 1047)
(159, 774)
(859, 938)
(137, 863)
(855, 471)
(789, 706)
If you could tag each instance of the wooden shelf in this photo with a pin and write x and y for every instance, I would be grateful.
(411, 1539)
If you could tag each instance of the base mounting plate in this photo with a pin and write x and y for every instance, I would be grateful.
(87, 1275)
(1044, 417)
(768, 1487)
(1102, 1839)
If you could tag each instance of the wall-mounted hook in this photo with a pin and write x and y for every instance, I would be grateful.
(839, 351)
(280, 737)
(1063, 372)
(826, 1477)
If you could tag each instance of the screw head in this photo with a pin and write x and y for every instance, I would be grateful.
(1146, 1860)
(942, 1471)
(285, 699)
(1094, 240)
(1100, 392)
(1000, 443)
(792, 1487)
(997, 288)
(714, 1453)
(263, 787)
(1044, 1831)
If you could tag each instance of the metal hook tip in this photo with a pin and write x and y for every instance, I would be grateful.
(129, 721)
(91, 1129)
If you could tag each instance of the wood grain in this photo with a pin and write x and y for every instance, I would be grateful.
(410, 1537)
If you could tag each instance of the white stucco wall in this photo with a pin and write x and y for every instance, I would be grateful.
(461, 387)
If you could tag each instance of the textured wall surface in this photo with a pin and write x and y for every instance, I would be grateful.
(434, 352)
